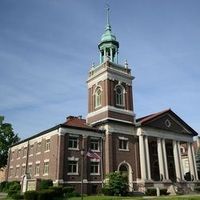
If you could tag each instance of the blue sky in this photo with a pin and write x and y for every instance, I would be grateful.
(48, 46)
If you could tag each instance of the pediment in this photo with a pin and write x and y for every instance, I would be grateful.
(167, 120)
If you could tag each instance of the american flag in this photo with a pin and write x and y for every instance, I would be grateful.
(93, 155)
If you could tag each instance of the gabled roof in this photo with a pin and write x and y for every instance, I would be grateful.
(152, 118)
(145, 119)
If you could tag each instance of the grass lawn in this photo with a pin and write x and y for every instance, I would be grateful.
(138, 198)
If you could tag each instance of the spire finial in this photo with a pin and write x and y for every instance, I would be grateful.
(108, 26)
(126, 64)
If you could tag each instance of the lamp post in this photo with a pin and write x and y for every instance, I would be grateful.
(82, 163)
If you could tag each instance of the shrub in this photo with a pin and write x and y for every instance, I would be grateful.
(3, 186)
(73, 194)
(17, 196)
(117, 184)
(30, 195)
(45, 184)
(68, 189)
(58, 191)
(14, 189)
(164, 192)
(151, 192)
(45, 195)
(106, 191)
(197, 189)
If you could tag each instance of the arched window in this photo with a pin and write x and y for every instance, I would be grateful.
(119, 95)
(98, 97)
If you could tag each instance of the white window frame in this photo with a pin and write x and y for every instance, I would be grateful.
(95, 142)
(76, 164)
(38, 148)
(98, 97)
(46, 168)
(72, 139)
(96, 163)
(24, 152)
(125, 141)
(120, 98)
(17, 171)
(47, 145)
(18, 153)
(37, 169)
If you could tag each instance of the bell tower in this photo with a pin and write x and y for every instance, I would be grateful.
(109, 84)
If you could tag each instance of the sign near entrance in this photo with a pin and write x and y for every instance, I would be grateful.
(31, 185)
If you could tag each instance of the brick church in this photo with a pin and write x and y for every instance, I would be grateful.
(82, 151)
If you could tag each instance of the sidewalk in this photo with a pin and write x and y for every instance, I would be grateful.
(3, 195)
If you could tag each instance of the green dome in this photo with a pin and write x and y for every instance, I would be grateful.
(108, 35)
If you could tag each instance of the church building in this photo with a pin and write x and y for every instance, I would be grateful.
(80, 152)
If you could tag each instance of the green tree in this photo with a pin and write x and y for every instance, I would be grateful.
(116, 184)
(7, 138)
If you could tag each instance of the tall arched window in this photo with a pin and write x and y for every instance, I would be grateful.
(98, 97)
(119, 95)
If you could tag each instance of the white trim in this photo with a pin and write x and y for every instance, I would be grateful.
(74, 174)
(72, 158)
(46, 160)
(122, 138)
(19, 146)
(110, 118)
(124, 149)
(110, 108)
(37, 162)
(95, 174)
(17, 166)
(73, 149)
(95, 160)
(112, 74)
(45, 136)
(73, 135)
(30, 163)
(130, 176)
(158, 133)
(82, 132)
(24, 164)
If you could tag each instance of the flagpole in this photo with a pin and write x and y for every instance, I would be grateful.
(82, 163)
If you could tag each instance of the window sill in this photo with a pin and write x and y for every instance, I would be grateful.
(95, 174)
(37, 175)
(45, 174)
(46, 151)
(30, 155)
(123, 149)
(120, 106)
(97, 107)
(96, 151)
(73, 149)
(38, 153)
(73, 174)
